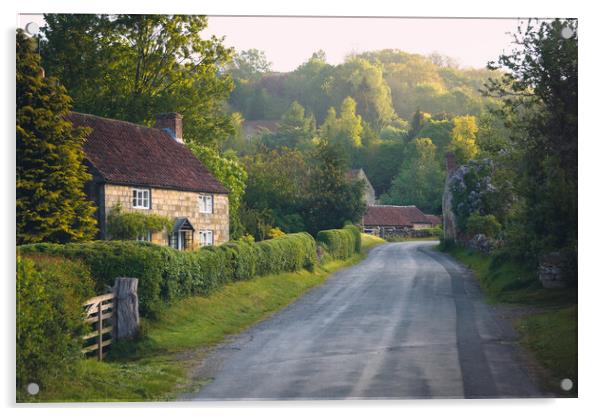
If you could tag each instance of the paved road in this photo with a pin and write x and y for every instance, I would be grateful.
(407, 322)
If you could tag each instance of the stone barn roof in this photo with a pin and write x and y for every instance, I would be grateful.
(129, 154)
(394, 215)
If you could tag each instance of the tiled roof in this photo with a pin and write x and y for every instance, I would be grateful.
(434, 219)
(129, 154)
(394, 215)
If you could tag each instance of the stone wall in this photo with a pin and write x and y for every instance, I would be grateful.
(172, 204)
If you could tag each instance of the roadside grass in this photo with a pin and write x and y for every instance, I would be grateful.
(551, 335)
(157, 366)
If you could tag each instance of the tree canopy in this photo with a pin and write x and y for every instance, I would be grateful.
(51, 204)
(133, 67)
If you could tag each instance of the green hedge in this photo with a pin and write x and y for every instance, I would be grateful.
(50, 294)
(166, 274)
(341, 243)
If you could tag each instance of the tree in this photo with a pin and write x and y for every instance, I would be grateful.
(277, 186)
(51, 204)
(132, 67)
(464, 138)
(332, 199)
(296, 129)
(539, 106)
(249, 65)
(346, 131)
(420, 179)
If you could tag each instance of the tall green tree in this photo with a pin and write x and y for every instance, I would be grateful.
(51, 204)
(539, 97)
(464, 138)
(132, 67)
(420, 179)
(332, 199)
(295, 131)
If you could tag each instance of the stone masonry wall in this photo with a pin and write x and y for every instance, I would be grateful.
(172, 204)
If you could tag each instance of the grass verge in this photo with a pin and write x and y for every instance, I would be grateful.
(551, 333)
(156, 366)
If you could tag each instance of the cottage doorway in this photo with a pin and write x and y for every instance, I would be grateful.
(182, 237)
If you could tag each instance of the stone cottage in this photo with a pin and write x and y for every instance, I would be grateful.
(150, 170)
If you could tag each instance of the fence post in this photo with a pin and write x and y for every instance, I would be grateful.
(127, 320)
(100, 331)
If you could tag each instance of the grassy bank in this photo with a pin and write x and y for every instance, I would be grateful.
(157, 365)
(551, 333)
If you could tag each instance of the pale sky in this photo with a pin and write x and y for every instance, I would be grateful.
(290, 41)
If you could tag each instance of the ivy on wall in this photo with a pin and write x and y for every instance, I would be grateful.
(132, 225)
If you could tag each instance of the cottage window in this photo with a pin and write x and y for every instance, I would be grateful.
(141, 198)
(206, 238)
(206, 204)
(144, 237)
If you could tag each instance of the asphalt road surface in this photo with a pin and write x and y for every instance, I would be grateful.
(407, 322)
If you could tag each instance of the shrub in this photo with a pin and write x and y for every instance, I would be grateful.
(483, 224)
(132, 225)
(50, 294)
(341, 243)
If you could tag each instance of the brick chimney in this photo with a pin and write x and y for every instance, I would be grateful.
(450, 160)
(172, 124)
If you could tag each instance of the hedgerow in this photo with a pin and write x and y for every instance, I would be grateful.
(166, 274)
(341, 243)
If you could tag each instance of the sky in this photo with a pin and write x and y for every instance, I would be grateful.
(290, 41)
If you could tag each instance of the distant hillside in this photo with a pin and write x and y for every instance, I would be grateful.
(386, 85)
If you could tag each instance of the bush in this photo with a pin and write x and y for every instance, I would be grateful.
(166, 274)
(50, 294)
(487, 225)
(341, 243)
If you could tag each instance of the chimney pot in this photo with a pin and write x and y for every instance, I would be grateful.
(172, 123)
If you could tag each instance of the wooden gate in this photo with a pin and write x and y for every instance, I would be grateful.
(98, 310)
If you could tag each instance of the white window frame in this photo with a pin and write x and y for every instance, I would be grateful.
(206, 203)
(141, 198)
(204, 241)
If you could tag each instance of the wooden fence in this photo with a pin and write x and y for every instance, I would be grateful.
(97, 311)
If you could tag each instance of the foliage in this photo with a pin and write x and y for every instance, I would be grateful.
(133, 67)
(133, 225)
(473, 192)
(249, 64)
(166, 274)
(332, 199)
(231, 173)
(50, 294)
(296, 129)
(420, 179)
(341, 243)
(539, 107)
(345, 130)
(487, 225)
(464, 139)
(51, 204)
(276, 187)
(275, 232)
